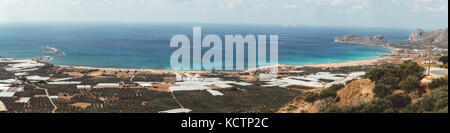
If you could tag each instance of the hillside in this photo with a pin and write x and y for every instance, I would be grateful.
(438, 36)
(384, 89)
(355, 93)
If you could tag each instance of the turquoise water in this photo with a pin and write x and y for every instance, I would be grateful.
(147, 45)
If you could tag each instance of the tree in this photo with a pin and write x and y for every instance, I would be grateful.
(331, 91)
(311, 97)
(382, 90)
(376, 106)
(411, 83)
(336, 87)
(327, 93)
(375, 74)
(399, 101)
(436, 101)
(438, 83)
(409, 68)
(390, 80)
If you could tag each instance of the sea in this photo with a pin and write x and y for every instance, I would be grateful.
(147, 46)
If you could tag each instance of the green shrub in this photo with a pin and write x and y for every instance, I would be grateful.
(399, 101)
(436, 83)
(411, 83)
(336, 109)
(375, 74)
(350, 81)
(410, 68)
(331, 91)
(328, 93)
(291, 108)
(311, 97)
(336, 87)
(382, 90)
(402, 71)
(389, 80)
(436, 101)
(376, 106)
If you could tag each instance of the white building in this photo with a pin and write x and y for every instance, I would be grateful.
(23, 100)
(107, 85)
(5, 85)
(314, 80)
(37, 78)
(243, 83)
(64, 83)
(21, 74)
(8, 81)
(4, 88)
(179, 77)
(7, 94)
(145, 84)
(180, 110)
(214, 92)
(84, 86)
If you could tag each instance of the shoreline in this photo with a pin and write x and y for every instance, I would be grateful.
(131, 69)
(347, 63)
(322, 65)
(319, 65)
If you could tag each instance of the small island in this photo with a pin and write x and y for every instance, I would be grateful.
(53, 51)
(355, 39)
(418, 39)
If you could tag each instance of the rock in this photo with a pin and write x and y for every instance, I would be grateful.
(420, 35)
(417, 35)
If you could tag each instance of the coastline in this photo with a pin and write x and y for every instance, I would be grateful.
(348, 63)
(322, 65)
(364, 62)
(127, 69)
(325, 65)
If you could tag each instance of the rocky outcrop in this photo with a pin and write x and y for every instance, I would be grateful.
(378, 39)
(353, 94)
(301, 106)
(356, 93)
(420, 35)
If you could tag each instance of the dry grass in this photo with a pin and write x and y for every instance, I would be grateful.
(82, 105)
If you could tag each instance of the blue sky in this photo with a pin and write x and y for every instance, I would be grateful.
(428, 14)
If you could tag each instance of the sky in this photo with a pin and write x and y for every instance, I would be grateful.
(426, 14)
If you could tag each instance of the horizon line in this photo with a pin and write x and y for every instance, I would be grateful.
(220, 23)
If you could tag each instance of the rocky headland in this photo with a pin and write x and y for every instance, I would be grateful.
(375, 40)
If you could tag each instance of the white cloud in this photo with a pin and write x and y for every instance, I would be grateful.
(442, 8)
(429, 5)
(231, 3)
(291, 6)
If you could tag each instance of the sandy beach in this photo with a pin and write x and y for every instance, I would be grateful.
(350, 63)
(282, 66)
(334, 65)
(124, 69)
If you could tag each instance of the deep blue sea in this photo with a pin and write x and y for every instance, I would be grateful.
(147, 45)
